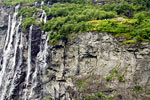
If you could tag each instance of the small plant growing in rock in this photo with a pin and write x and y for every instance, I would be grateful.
(137, 89)
(147, 92)
(114, 73)
(108, 78)
(100, 95)
(48, 98)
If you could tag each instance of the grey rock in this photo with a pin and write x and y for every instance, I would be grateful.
(98, 54)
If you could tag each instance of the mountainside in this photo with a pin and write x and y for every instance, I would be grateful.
(74, 50)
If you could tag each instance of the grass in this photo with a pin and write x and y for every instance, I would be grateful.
(129, 29)
(15, 2)
(76, 18)
(65, 19)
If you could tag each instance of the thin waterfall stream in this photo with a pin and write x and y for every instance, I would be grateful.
(42, 54)
(29, 64)
(9, 65)
(13, 64)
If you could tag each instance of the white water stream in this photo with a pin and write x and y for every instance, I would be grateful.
(13, 67)
(10, 52)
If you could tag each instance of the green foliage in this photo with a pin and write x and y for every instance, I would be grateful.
(142, 15)
(114, 73)
(48, 97)
(92, 87)
(46, 9)
(27, 12)
(108, 78)
(99, 96)
(27, 22)
(68, 17)
(137, 89)
(70, 1)
(131, 29)
(109, 7)
(15, 2)
(147, 92)
(26, 2)
(29, 15)
(125, 9)
(82, 84)
(72, 18)
(142, 2)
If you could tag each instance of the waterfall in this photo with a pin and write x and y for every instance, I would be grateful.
(29, 55)
(9, 59)
(19, 38)
(42, 53)
(41, 63)
(42, 56)
(43, 17)
(8, 44)
(44, 44)
(17, 63)
(29, 66)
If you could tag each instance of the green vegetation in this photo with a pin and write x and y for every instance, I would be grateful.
(29, 15)
(147, 92)
(72, 18)
(114, 73)
(70, 1)
(15, 2)
(27, 22)
(27, 11)
(99, 96)
(127, 20)
(91, 88)
(27, 2)
(137, 89)
(127, 29)
(82, 84)
(48, 98)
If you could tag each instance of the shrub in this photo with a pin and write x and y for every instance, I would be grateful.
(125, 9)
(15, 2)
(142, 15)
(27, 12)
(72, 18)
(27, 22)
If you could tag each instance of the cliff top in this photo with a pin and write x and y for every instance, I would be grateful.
(67, 17)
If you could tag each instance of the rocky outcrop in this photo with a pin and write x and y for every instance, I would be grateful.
(93, 63)
(3, 25)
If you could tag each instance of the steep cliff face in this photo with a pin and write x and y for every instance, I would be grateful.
(96, 62)
(88, 66)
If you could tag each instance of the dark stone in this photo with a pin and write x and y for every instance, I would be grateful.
(36, 39)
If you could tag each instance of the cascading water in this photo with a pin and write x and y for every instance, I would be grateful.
(8, 44)
(29, 66)
(42, 55)
(29, 92)
(19, 44)
(19, 74)
(44, 44)
(10, 65)
(43, 17)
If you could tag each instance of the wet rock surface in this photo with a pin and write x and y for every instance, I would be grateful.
(3, 26)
